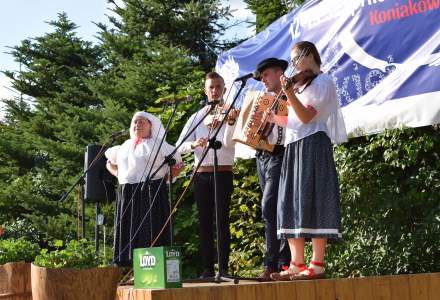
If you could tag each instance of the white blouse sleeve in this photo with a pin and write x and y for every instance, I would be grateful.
(320, 95)
(112, 154)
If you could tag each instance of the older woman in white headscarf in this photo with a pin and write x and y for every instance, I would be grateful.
(140, 215)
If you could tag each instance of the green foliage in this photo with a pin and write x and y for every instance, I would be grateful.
(45, 132)
(21, 229)
(186, 230)
(267, 12)
(390, 185)
(16, 250)
(247, 229)
(77, 254)
(143, 79)
(76, 93)
(184, 24)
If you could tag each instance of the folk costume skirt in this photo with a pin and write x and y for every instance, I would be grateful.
(140, 216)
(308, 196)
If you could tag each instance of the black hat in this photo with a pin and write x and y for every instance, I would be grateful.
(271, 62)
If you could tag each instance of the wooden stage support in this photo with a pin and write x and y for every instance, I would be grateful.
(399, 287)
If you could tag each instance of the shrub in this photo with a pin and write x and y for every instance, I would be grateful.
(390, 186)
(77, 254)
(21, 229)
(390, 201)
(247, 229)
(16, 250)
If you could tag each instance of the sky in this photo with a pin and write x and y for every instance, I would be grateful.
(21, 19)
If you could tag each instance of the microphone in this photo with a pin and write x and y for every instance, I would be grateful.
(254, 75)
(119, 133)
(174, 99)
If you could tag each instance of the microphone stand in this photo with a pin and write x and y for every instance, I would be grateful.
(169, 158)
(170, 161)
(214, 144)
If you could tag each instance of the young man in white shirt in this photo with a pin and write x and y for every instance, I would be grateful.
(203, 184)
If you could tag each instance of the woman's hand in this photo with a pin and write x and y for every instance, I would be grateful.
(113, 169)
(283, 80)
(176, 169)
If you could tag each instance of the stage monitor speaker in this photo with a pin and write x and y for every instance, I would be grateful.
(99, 184)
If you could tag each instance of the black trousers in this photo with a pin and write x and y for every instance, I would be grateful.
(269, 168)
(203, 187)
(136, 225)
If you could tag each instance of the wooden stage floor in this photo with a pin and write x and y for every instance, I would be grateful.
(399, 287)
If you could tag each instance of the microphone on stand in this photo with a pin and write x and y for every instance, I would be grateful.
(174, 99)
(119, 133)
(253, 75)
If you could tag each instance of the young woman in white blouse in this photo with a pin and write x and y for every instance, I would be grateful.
(141, 214)
(308, 198)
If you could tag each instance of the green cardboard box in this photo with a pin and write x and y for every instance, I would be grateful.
(157, 267)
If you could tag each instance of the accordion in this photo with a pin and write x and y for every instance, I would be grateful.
(250, 120)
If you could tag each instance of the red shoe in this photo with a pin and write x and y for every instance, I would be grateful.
(309, 273)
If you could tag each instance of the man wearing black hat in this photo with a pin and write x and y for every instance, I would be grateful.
(269, 168)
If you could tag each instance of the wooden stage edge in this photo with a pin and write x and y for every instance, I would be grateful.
(396, 287)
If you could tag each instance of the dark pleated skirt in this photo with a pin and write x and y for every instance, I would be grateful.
(308, 196)
(136, 225)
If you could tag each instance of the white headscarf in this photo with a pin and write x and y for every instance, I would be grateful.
(131, 170)
(157, 129)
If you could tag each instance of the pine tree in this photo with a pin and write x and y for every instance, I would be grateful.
(43, 139)
(267, 12)
(156, 49)
(188, 24)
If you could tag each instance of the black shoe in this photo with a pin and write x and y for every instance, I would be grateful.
(207, 273)
(265, 276)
